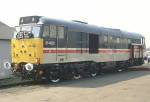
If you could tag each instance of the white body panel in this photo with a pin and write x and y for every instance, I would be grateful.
(61, 55)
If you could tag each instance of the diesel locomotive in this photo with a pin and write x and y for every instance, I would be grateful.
(57, 49)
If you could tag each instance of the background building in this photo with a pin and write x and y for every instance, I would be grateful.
(6, 33)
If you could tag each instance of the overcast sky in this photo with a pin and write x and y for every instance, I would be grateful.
(128, 15)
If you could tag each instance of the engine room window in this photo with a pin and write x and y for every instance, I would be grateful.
(118, 40)
(52, 30)
(138, 41)
(125, 43)
(105, 38)
(110, 40)
(129, 41)
(61, 32)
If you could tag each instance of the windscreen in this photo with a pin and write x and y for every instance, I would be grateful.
(27, 32)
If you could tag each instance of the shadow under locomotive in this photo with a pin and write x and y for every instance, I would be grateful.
(105, 79)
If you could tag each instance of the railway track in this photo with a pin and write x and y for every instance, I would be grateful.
(14, 81)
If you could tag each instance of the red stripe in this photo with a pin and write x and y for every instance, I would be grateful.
(121, 51)
(85, 51)
(64, 51)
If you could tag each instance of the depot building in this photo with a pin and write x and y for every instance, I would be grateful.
(6, 33)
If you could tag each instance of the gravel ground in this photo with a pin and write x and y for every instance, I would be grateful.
(128, 86)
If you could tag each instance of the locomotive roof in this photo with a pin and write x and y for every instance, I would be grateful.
(84, 27)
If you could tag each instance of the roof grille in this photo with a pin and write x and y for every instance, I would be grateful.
(79, 21)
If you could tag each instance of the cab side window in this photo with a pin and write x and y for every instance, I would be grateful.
(52, 31)
(46, 31)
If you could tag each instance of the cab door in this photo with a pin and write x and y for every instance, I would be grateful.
(61, 48)
(55, 41)
(136, 51)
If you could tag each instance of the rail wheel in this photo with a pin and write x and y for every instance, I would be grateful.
(54, 76)
(93, 74)
(55, 80)
(77, 76)
(94, 70)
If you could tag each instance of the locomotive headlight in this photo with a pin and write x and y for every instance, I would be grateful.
(29, 67)
(7, 65)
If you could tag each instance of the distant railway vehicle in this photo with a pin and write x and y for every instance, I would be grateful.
(57, 49)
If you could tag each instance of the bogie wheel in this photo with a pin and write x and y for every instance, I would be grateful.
(93, 74)
(54, 77)
(77, 76)
(76, 72)
(55, 80)
(93, 70)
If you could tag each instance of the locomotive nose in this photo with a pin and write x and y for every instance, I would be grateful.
(27, 50)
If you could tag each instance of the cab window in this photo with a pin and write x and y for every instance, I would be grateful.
(46, 31)
(52, 31)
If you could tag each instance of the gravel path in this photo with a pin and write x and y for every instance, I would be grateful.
(129, 86)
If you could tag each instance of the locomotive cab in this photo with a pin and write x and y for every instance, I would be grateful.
(26, 45)
(36, 45)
